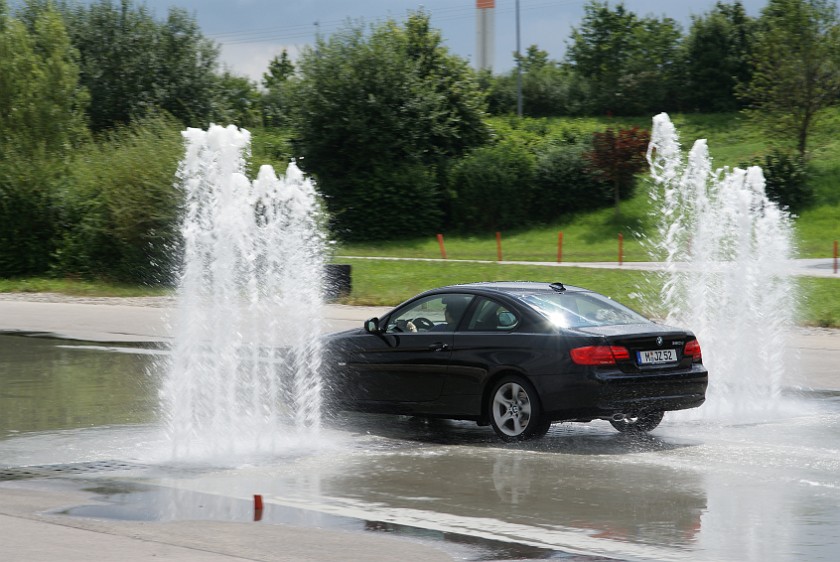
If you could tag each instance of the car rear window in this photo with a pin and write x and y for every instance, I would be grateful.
(577, 310)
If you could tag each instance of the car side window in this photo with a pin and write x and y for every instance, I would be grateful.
(490, 315)
(437, 313)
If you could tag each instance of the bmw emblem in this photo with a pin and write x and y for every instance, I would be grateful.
(659, 341)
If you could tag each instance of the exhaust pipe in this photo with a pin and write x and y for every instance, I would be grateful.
(619, 417)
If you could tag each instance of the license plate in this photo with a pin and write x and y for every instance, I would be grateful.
(656, 356)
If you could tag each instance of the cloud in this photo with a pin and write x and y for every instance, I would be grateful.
(251, 59)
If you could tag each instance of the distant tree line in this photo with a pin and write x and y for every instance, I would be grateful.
(392, 126)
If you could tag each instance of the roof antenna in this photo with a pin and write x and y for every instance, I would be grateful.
(558, 287)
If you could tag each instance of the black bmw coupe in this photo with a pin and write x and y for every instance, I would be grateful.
(518, 356)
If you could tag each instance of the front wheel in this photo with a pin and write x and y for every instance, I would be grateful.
(642, 423)
(515, 411)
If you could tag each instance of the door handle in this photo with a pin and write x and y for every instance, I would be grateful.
(438, 346)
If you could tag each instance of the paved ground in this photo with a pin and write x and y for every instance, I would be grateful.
(30, 532)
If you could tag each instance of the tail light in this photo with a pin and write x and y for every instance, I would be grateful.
(692, 349)
(599, 354)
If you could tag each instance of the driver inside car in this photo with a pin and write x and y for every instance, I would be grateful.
(453, 310)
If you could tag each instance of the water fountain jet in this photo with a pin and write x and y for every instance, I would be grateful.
(244, 369)
(725, 247)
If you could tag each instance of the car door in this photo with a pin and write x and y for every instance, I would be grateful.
(410, 360)
(487, 340)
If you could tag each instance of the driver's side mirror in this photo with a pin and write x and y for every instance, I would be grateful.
(372, 326)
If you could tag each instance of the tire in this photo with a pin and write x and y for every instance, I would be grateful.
(515, 410)
(644, 422)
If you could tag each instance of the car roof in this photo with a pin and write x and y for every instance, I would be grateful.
(518, 288)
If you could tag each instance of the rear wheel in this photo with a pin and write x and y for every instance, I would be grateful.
(642, 423)
(515, 411)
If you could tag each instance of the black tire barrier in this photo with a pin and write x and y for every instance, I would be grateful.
(337, 281)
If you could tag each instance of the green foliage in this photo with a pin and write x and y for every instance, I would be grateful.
(716, 53)
(280, 69)
(565, 183)
(631, 64)
(787, 180)
(493, 188)
(395, 200)
(548, 88)
(274, 100)
(120, 209)
(41, 102)
(238, 102)
(796, 68)
(41, 120)
(270, 146)
(367, 105)
(133, 64)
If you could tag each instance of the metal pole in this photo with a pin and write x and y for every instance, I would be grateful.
(518, 67)
(560, 247)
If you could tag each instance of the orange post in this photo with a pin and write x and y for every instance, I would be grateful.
(499, 245)
(442, 247)
(258, 507)
(620, 249)
(560, 247)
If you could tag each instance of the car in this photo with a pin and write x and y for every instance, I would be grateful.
(517, 356)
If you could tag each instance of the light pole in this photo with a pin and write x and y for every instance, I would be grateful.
(518, 67)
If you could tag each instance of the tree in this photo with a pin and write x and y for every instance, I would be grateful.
(717, 58)
(600, 49)
(134, 65)
(631, 64)
(795, 68)
(275, 80)
(370, 108)
(548, 88)
(41, 120)
(618, 156)
(280, 69)
(238, 101)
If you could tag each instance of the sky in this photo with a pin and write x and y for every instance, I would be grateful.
(252, 32)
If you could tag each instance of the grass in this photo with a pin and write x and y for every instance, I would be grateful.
(79, 288)
(387, 283)
(821, 306)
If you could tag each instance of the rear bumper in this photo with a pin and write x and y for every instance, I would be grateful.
(603, 393)
(622, 393)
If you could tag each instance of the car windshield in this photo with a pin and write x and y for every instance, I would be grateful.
(579, 310)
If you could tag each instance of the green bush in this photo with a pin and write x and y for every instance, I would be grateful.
(564, 183)
(387, 202)
(119, 211)
(787, 180)
(492, 188)
(27, 213)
